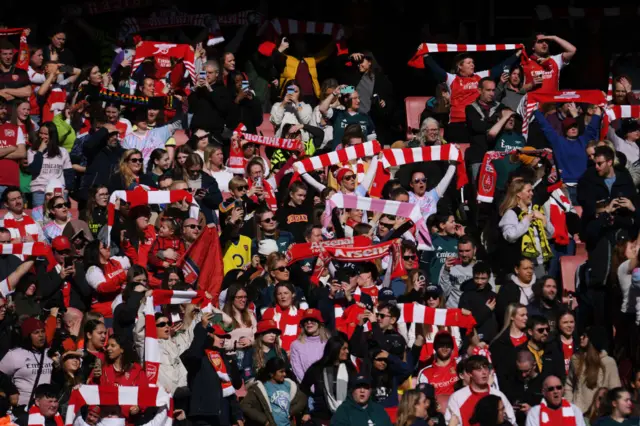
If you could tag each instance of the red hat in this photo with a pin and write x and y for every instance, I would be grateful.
(61, 243)
(342, 172)
(265, 326)
(568, 123)
(30, 325)
(219, 331)
(312, 314)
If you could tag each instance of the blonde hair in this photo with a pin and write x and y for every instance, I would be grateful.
(511, 199)
(125, 171)
(237, 181)
(407, 407)
(322, 333)
(270, 265)
(509, 314)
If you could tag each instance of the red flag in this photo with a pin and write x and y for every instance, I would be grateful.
(203, 262)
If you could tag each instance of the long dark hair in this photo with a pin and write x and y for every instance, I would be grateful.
(133, 272)
(89, 327)
(28, 124)
(182, 285)
(91, 203)
(129, 354)
(228, 306)
(272, 366)
(375, 66)
(53, 147)
(606, 409)
(92, 255)
(331, 353)
(156, 154)
(486, 411)
(85, 73)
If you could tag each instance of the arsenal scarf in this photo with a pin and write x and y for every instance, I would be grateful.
(288, 322)
(26, 249)
(99, 7)
(615, 112)
(568, 416)
(394, 208)
(143, 397)
(140, 197)
(162, 53)
(151, 346)
(6, 32)
(24, 227)
(157, 102)
(294, 26)
(559, 205)
(220, 367)
(301, 251)
(273, 142)
(425, 48)
(402, 156)
(367, 149)
(246, 17)
(270, 198)
(37, 419)
(532, 99)
(172, 18)
(421, 314)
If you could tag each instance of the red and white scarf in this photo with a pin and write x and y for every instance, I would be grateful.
(218, 364)
(171, 18)
(424, 48)
(37, 419)
(142, 397)
(26, 249)
(5, 32)
(354, 152)
(294, 26)
(155, 49)
(421, 314)
(559, 205)
(270, 195)
(401, 156)
(241, 18)
(303, 251)
(151, 346)
(615, 112)
(20, 228)
(288, 322)
(390, 207)
(568, 416)
(140, 197)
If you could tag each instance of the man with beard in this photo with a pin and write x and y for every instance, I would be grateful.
(442, 372)
(545, 302)
(548, 361)
(542, 64)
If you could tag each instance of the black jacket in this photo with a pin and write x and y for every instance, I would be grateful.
(102, 161)
(592, 188)
(476, 301)
(314, 379)
(212, 199)
(50, 286)
(521, 392)
(210, 109)
(506, 353)
(247, 112)
(125, 314)
(206, 389)
(553, 361)
(479, 121)
(509, 293)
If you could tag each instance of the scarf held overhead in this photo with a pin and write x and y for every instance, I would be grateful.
(421, 314)
(367, 149)
(302, 251)
(426, 48)
(159, 50)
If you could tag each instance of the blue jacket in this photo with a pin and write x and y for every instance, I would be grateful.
(570, 155)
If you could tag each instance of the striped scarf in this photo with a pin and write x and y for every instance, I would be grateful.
(288, 322)
(294, 26)
(334, 158)
(421, 314)
(140, 197)
(37, 419)
(218, 364)
(568, 416)
(424, 48)
(20, 228)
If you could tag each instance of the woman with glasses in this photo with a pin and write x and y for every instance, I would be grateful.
(96, 212)
(265, 346)
(244, 321)
(277, 271)
(48, 161)
(129, 172)
(59, 215)
(591, 368)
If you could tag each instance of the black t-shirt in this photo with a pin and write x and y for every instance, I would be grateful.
(294, 220)
(14, 79)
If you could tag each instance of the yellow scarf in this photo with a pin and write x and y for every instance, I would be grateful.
(537, 354)
(528, 240)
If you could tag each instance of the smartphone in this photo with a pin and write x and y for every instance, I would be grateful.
(257, 181)
(245, 85)
(68, 261)
(505, 70)
(291, 90)
(457, 261)
(203, 74)
(201, 192)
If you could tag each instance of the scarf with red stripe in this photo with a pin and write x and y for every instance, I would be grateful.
(288, 322)
(568, 416)
(559, 205)
(367, 149)
(218, 364)
(151, 346)
(270, 196)
(615, 112)
(54, 104)
(162, 52)
(303, 251)
(389, 207)
(143, 397)
(421, 314)
(25, 226)
(272, 142)
(171, 18)
(140, 197)
(402, 156)
(424, 48)
(23, 56)
(241, 18)
(236, 162)
(37, 419)
(276, 27)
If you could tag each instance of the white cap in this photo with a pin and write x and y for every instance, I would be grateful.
(266, 247)
(55, 187)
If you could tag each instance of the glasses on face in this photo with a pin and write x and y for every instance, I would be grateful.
(193, 227)
(61, 205)
(162, 324)
(383, 316)
(350, 177)
(281, 268)
(542, 330)
(381, 359)
(242, 188)
(385, 224)
(135, 160)
(268, 220)
(407, 258)
(142, 281)
(420, 180)
(554, 388)
(432, 297)
(5, 242)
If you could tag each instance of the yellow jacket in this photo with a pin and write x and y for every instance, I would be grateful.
(291, 68)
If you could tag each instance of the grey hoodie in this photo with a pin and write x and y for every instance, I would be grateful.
(451, 282)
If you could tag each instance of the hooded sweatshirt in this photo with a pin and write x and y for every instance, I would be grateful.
(350, 413)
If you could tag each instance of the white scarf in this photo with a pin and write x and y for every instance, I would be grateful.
(342, 384)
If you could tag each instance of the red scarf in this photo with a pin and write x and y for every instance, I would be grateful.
(26, 226)
(288, 322)
(421, 314)
(416, 60)
(559, 205)
(303, 251)
(568, 416)
(37, 419)
(272, 142)
(162, 52)
(218, 364)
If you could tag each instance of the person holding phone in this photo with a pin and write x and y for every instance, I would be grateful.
(204, 187)
(290, 109)
(246, 108)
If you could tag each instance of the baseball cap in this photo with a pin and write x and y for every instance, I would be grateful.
(61, 243)
(360, 380)
(386, 295)
(427, 389)
(268, 246)
(433, 289)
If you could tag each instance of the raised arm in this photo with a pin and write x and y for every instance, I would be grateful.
(569, 49)
(446, 180)
(435, 69)
(493, 132)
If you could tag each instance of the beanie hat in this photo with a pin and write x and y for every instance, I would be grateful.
(568, 123)
(30, 325)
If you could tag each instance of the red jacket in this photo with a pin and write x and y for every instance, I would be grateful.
(141, 255)
(164, 243)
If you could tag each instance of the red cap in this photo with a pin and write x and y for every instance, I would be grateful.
(61, 243)
(267, 325)
(266, 48)
(30, 325)
(219, 331)
(568, 123)
(312, 314)
(341, 173)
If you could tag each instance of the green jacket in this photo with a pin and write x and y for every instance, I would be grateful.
(349, 413)
(66, 134)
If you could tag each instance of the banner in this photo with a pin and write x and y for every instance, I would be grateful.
(301, 251)
(203, 262)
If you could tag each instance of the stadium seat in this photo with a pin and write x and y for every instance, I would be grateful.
(266, 128)
(414, 105)
(568, 267)
(463, 148)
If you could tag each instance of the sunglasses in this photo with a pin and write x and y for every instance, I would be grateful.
(432, 297)
(281, 268)
(350, 177)
(382, 315)
(420, 180)
(5, 242)
(554, 388)
(74, 356)
(61, 205)
(135, 160)
(542, 330)
(386, 224)
(242, 188)
(198, 227)
(268, 220)
(381, 359)
(412, 257)
(162, 324)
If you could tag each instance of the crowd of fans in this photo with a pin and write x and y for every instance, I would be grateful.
(473, 324)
